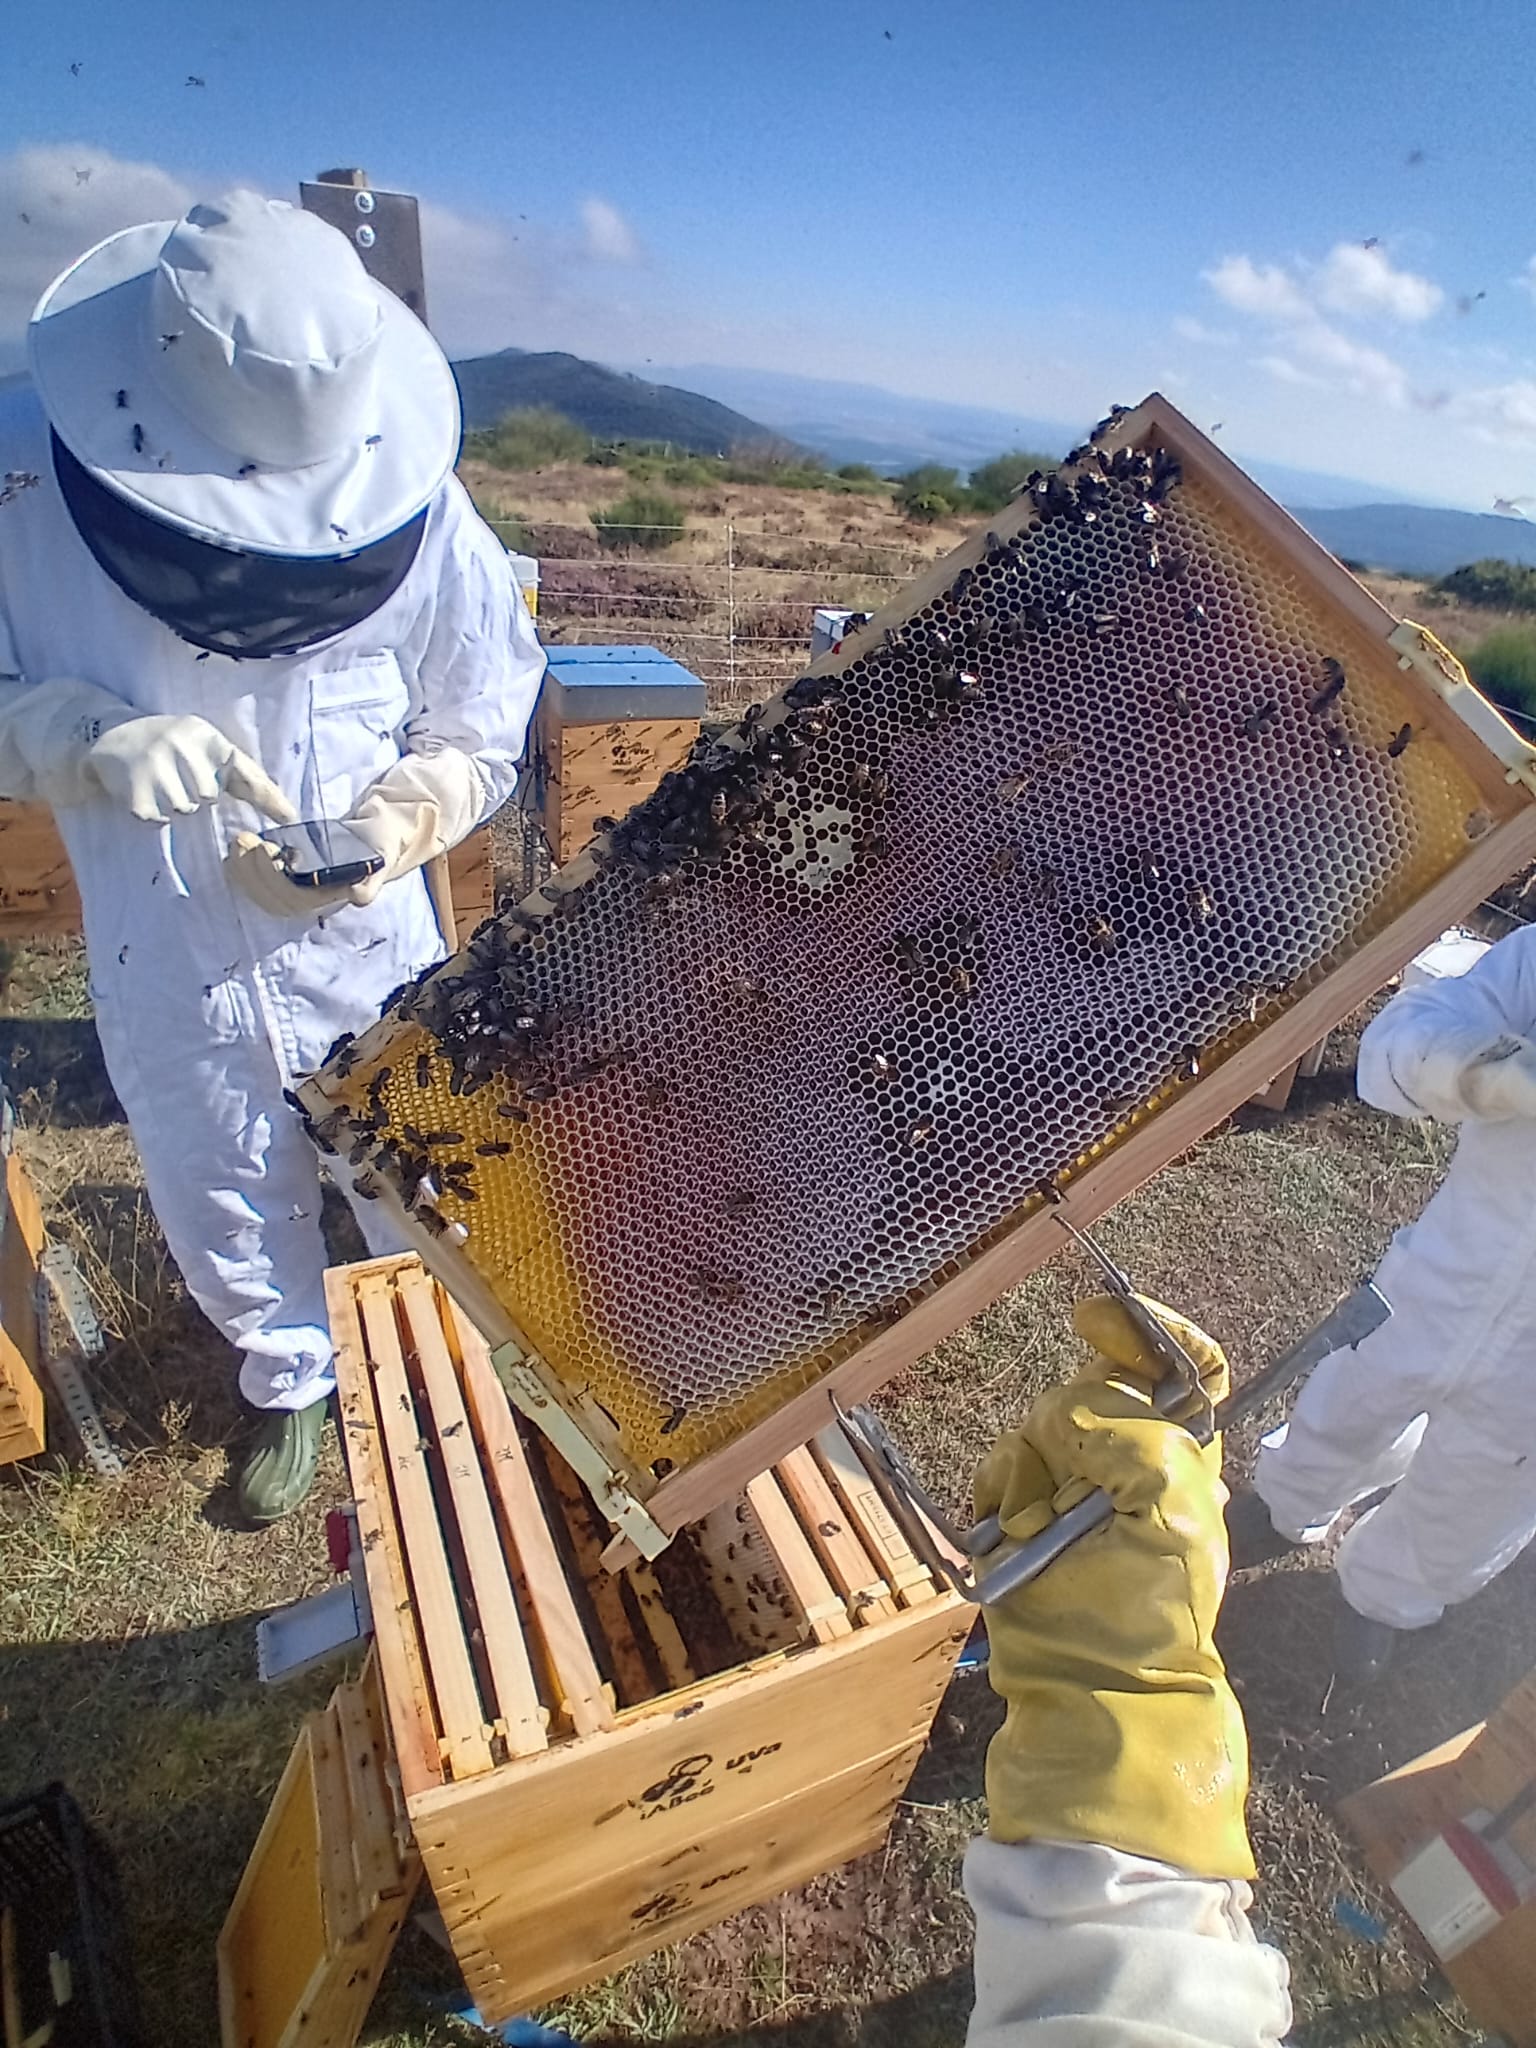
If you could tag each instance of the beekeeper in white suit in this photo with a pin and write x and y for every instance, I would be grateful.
(1440, 1403)
(240, 586)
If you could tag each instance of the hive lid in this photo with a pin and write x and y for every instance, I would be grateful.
(1049, 866)
(590, 685)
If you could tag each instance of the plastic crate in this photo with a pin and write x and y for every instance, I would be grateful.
(68, 1943)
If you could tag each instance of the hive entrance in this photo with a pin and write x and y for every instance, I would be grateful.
(833, 1008)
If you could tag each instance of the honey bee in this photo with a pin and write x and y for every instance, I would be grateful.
(1337, 741)
(1261, 718)
(1049, 1190)
(871, 845)
(431, 1138)
(1398, 744)
(1148, 866)
(751, 987)
(717, 808)
(1012, 787)
(962, 980)
(654, 1093)
(1102, 624)
(832, 1302)
(513, 1111)
(881, 1066)
(1188, 1068)
(496, 1148)
(909, 954)
(423, 1070)
(1197, 900)
(918, 1134)
(675, 1420)
(1100, 933)
(1332, 689)
(1195, 613)
(1178, 697)
(1003, 861)
(740, 1202)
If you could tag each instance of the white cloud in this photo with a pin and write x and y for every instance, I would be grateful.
(1502, 412)
(609, 236)
(1286, 372)
(1354, 279)
(1196, 330)
(1271, 292)
(1350, 363)
(55, 202)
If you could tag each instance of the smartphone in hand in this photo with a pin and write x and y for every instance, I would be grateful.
(322, 853)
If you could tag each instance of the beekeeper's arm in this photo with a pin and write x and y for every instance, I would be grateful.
(474, 664)
(1110, 1889)
(1462, 1047)
(67, 741)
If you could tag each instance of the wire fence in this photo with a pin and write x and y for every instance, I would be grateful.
(732, 602)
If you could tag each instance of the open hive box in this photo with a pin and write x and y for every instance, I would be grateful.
(593, 1765)
(1116, 811)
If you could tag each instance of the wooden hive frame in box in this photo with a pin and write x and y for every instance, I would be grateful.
(1409, 725)
(592, 1765)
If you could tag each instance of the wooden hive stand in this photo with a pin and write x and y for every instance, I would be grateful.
(594, 1766)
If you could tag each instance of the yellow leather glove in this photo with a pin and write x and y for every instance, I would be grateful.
(1121, 1726)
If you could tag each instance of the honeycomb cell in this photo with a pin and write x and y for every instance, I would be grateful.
(921, 940)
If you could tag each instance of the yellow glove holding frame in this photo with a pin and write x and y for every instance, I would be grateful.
(1121, 1726)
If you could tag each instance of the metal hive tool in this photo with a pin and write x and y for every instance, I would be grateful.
(771, 1087)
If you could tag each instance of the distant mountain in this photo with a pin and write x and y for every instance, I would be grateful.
(863, 423)
(1419, 540)
(608, 403)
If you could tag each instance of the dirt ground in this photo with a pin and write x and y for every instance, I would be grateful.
(128, 1610)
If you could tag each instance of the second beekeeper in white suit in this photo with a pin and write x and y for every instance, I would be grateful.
(240, 586)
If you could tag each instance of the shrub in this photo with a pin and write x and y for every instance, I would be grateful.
(532, 437)
(644, 519)
(995, 482)
(1511, 586)
(1503, 665)
(930, 492)
(860, 473)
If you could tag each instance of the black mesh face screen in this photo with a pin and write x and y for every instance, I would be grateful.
(251, 607)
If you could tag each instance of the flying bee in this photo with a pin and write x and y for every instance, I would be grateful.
(750, 716)
(1046, 886)
(122, 401)
(909, 954)
(539, 1091)
(967, 927)
(1261, 718)
(1178, 697)
(661, 888)
(961, 585)
(1197, 901)
(740, 1202)
(1398, 744)
(1332, 689)
(1059, 754)
(1172, 563)
(1003, 861)
(1119, 1106)
(860, 775)
(137, 438)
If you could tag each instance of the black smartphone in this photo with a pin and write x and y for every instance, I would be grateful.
(320, 853)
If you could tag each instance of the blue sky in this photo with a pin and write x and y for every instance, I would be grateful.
(1036, 205)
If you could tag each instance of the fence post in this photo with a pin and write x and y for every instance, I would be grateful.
(730, 605)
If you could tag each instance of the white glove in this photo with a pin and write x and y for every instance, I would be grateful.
(1500, 1085)
(162, 766)
(420, 807)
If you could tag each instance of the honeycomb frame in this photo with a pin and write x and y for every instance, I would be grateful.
(1288, 792)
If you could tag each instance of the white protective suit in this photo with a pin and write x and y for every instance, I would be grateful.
(1083, 1946)
(207, 1007)
(1440, 1402)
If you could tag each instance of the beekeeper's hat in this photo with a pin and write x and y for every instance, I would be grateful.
(237, 374)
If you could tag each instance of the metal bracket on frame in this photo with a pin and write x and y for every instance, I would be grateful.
(1417, 648)
(518, 1374)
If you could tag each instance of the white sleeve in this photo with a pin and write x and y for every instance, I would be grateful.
(1082, 1946)
(1415, 1054)
(478, 671)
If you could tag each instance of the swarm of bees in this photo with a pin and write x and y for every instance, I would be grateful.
(732, 808)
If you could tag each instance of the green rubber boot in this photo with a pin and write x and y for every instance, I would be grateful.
(280, 1465)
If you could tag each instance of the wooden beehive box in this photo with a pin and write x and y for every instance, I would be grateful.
(1481, 1782)
(22, 1433)
(1046, 869)
(611, 721)
(326, 1889)
(594, 1766)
